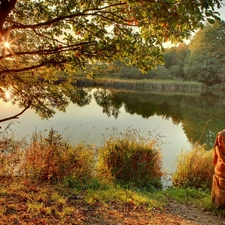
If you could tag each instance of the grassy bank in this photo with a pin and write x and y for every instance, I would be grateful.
(23, 201)
(49, 181)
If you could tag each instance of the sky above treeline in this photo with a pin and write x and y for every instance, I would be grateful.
(222, 11)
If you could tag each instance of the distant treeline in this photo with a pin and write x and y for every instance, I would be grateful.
(203, 60)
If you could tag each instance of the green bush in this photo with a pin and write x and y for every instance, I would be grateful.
(194, 168)
(131, 159)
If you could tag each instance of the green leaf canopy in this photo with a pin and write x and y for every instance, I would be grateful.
(59, 31)
(37, 37)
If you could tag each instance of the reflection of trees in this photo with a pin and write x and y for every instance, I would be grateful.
(145, 105)
(109, 101)
(148, 105)
(193, 112)
(43, 96)
(198, 111)
(81, 96)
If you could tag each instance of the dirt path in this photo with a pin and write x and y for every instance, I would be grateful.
(190, 213)
(34, 205)
(111, 214)
(174, 214)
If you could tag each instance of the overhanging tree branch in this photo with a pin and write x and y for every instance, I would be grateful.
(17, 115)
(31, 67)
(56, 49)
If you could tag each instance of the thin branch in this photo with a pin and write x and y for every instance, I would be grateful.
(17, 115)
(32, 67)
(57, 19)
(47, 51)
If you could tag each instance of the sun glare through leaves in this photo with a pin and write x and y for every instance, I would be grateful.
(7, 45)
(7, 95)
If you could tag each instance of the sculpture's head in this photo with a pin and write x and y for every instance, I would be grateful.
(220, 138)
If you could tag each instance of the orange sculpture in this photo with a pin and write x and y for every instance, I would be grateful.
(218, 186)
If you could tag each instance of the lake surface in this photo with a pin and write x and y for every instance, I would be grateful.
(179, 120)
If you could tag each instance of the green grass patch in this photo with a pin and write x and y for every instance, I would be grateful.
(122, 196)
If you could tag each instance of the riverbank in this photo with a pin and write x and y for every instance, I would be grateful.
(24, 202)
(57, 183)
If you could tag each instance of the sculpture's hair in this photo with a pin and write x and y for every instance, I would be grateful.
(215, 157)
(222, 133)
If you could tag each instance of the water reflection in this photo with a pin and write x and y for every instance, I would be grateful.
(109, 101)
(201, 116)
(91, 113)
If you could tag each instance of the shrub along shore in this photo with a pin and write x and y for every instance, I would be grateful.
(126, 169)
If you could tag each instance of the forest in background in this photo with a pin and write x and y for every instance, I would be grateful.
(202, 60)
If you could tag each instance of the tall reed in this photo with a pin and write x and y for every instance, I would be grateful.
(129, 158)
(194, 168)
(52, 158)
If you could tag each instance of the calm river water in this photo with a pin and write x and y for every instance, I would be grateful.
(178, 119)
